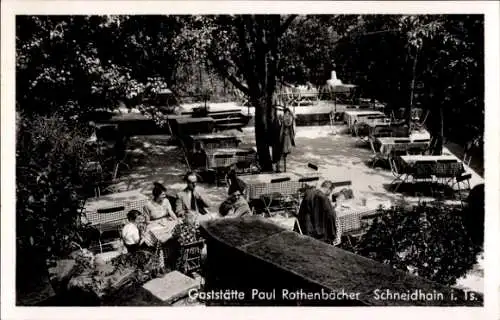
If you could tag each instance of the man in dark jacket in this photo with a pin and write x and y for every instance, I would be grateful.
(316, 214)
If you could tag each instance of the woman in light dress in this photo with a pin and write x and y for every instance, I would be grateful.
(159, 213)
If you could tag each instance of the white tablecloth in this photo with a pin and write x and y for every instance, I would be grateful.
(352, 116)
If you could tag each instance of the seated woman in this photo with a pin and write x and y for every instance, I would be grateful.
(159, 215)
(131, 235)
(235, 206)
(159, 207)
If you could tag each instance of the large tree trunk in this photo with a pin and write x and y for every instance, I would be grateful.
(263, 135)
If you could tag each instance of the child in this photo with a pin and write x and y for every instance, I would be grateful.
(130, 232)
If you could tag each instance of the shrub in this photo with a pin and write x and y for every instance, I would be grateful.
(429, 240)
(50, 155)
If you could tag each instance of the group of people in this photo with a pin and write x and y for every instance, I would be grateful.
(191, 206)
(316, 215)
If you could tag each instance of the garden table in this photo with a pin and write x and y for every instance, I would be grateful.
(159, 231)
(352, 116)
(260, 184)
(412, 159)
(421, 134)
(349, 212)
(387, 144)
(213, 141)
(110, 211)
(237, 155)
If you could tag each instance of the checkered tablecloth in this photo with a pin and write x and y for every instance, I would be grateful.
(159, 231)
(237, 155)
(387, 144)
(352, 116)
(260, 184)
(116, 207)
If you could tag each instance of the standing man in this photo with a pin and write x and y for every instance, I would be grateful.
(191, 199)
(316, 214)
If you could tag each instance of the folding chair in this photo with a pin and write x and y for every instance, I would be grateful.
(462, 179)
(377, 155)
(398, 173)
(467, 159)
(105, 220)
(274, 201)
(362, 131)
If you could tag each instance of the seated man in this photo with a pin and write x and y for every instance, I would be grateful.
(235, 206)
(316, 214)
(191, 199)
(130, 233)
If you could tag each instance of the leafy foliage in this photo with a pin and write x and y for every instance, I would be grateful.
(50, 156)
(429, 240)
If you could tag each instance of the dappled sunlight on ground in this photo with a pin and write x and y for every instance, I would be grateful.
(338, 156)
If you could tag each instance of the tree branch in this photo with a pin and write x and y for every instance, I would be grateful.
(286, 24)
(223, 71)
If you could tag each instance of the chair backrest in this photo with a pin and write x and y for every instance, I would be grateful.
(243, 153)
(308, 179)
(464, 177)
(394, 165)
(342, 183)
(222, 156)
(312, 166)
(110, 210)
(385, 133)
(401, 141)
(447, 161)
(278, 180)
(376, 117)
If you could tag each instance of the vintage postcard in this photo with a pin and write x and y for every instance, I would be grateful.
(249, 154)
